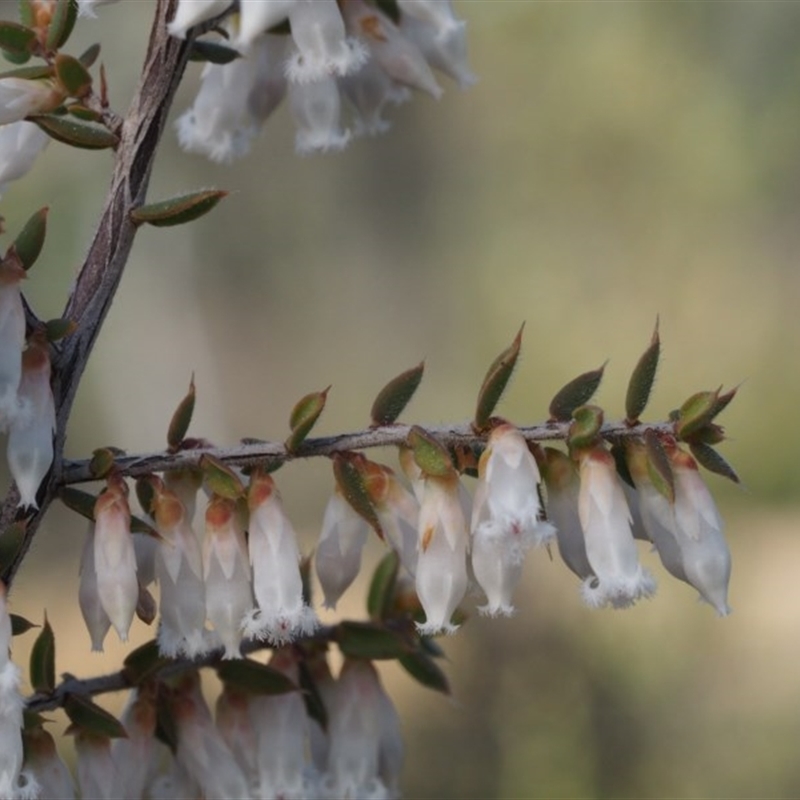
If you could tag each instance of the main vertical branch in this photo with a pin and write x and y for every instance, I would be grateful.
(108, 254)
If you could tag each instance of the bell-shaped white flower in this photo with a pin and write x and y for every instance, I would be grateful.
(235, 725)
(12, 336)
(136, 756)
(620, 580)
(94, 615)
(338, 555)
(114, 556)
(179, 570)
(43, 762)
(20, 144)
(20, 98)
(316, 108)
(282, 614)
(699, 533)
(368, 92)
(445, 48)
(192, 12)
(30, 437)
(226, 569)
(98, 777)
(441, 579)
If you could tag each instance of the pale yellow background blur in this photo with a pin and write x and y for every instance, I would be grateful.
(615, 161)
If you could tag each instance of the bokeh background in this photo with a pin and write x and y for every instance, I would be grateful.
(616, 161)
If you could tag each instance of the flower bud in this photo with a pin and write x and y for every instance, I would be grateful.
(316, 107)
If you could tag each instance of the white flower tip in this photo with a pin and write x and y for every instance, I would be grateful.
(307, 142)
(436, 628)
(497, 610)
(351, 55)
(621, 593)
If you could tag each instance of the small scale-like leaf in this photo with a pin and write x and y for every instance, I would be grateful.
(621, 463)
(30, 240)
(574, 394)
(709, 434)
(88, 716)
(212, 52)
(642, 378)
(43, 660)
(73, 76)
(381, 588)
(76, 132)
(80, 502)
(220, 479)
(83, 113)
(395, 396)
(146, 606)
(696, 412)
(254, 677)
(425, 670)
(723, 400)
(658, 466)
(496, 380)
(11, 540)
(33, 73)
(181, 419)
(16, 39)
(586, 424)
(61, 23)
(20, 625)
(304, 416)
(370, 640)
(145, 494)
(352, 484)
(431, 456)
(102, 462)
(89, 55)
(57, 329)
(144, 662)
(177, 210)
(709, 458)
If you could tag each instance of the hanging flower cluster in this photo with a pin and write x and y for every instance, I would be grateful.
(329, 57)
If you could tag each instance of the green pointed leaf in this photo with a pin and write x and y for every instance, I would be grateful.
(11, 541)
(696, 413)
(20, 625)
(395, 396)
(381, 588)
(315, 705)
(57, 329)
(32, 73)
(80, 502)
(642, 379)
(144, 662)
(220, 479)
(369, 640)
(30, 240)
(212, 52)
(420, 666)
(723, 400)
(431, 456)
(15, 39)
(73, 76)
(102, 462)
(304, 416)
(621, 464)
(61, 24)
(43, 660)
(181, 419)
(352, 485)
(85, 114)
(709, 458)
(89, 717)
(89, 56)
(177, 210)
(586, 424)
(254, 677)
(709, 434)
(145, 494)
(574, 394)
(495, 382)
(658, 466)
(75, 132)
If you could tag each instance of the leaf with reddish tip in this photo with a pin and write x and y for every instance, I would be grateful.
(352, 484)
(75, 132)
(61, 23)
(28, 244)
(220, 479)
(254, 677)
(642, 379)
(212, 52)
(16, 40)
(586, 424)
(304, 416)
(88, 716)
(370, 640)
(658, 466)
(496, 380)
(73, 76)
(181, 419)
(381, 587)
(709, 458)
(177, 210)
(57, 329)
(395, 396)
(431, 456)
(43, 660)
(420, 666)
(574, 394)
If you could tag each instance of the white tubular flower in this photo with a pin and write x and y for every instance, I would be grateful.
(699, 532)
(98, 777)
(12, 335)
(234, 723)
(233, 102)
(505, 517)
(20, 97)
(179, 570)
(20, 145)
(338, 555)
(281, 726)
(402, 60)
(368, 92)
(192, 12)
(620, 579)
(316, 107)
(136, 757)
(444, 48)
(44, 764)
(95, 617)
(226, 569)
(114, 556)
(441, 580)
(282, 615)
(30, 438)
(201, 750)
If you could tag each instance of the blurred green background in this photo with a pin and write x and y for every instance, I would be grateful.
(615, 161)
